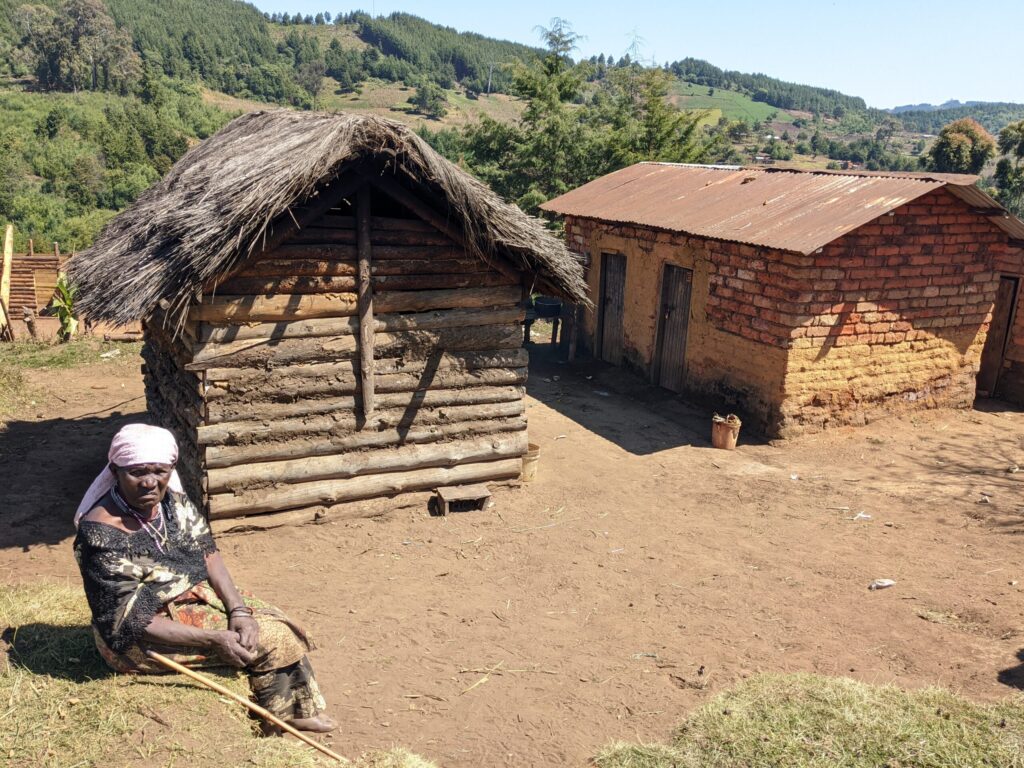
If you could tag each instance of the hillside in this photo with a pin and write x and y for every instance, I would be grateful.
(733, 105)
(96, 107)
(994, 116)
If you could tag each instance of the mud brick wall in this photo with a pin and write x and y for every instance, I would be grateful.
(1011, 382)
(890, 317)
(898, 316)
(736, 368)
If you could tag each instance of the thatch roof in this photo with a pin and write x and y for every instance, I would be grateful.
(214, 207)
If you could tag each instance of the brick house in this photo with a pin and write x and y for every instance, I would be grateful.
(806, 299)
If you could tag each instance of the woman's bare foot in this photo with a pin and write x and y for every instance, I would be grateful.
(319, 724)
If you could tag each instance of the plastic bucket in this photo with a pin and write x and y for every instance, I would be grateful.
(530, 463)
(725, 431)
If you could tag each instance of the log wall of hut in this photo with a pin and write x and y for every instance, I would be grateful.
(301, 383)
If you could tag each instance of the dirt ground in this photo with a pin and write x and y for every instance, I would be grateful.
(642, 572)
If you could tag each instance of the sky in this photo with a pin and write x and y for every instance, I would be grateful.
(890, 53)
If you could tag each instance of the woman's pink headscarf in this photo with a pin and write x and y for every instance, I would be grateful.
(133, 444)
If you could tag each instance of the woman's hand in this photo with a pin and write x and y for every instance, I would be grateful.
(248, 631)
(230, 649)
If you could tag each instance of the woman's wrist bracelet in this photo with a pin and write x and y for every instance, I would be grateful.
(240, 609)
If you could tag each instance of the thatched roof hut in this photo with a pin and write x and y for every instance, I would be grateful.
(333, 312)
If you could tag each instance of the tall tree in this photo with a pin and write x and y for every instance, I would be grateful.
(963, 146)
(79, 48)
(647, 126)
(1010, 168)
(430, 100)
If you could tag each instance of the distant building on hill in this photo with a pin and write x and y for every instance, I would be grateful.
(806, 298)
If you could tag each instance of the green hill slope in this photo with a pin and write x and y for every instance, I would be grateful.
(732, 104)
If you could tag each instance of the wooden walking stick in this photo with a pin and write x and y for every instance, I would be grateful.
(254, 708)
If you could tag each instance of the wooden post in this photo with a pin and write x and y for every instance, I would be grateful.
(5, 283)
(573, 331)
(364, 288)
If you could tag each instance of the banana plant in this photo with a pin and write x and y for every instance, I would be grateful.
(63, 306)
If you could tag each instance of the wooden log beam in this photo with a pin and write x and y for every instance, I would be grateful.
(463, 361)
(249, 432)
(346, 252)
(221, 418)
(431, 282)
(368, 462)
(282, 267)
(302, 285)
(415, 264)
(341, 326)
(320, 515)
(418, 344)
(221, 456)
(331, 236)
(244, 285)
(365, 301)
(304, 388)
(352, 489)
(221, 309)
(382, 223)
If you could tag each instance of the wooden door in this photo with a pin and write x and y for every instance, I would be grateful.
(998, 334)
(613, 302)
(673, 324)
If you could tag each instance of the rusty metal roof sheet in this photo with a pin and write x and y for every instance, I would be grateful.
(791, 210)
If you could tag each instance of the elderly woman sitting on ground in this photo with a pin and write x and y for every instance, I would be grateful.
(155, 580)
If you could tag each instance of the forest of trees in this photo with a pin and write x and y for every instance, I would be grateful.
(770, 90)
(992, 116)
(224, 43)
(69, 162)
(480, 64)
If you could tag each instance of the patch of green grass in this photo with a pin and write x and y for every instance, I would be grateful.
(61, 706)
(81, 351)
(324, 34)
(734, 105)
(810, 721)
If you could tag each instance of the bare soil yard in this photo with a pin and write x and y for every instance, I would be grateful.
(640, 574)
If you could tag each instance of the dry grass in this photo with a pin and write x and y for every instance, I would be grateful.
(61, 707)
(213, 210)
(809, 721)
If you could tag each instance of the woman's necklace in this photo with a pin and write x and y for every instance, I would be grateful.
(157, 532)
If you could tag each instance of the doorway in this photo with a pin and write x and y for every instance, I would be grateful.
(673, 325)
(611, 308)
(994, 352)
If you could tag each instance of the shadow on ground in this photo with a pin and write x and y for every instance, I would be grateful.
(47, 466)
(62, 651)
(68, 652)
(1014, 676)
(620, 406)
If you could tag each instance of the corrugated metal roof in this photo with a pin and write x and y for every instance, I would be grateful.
(791, 210)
